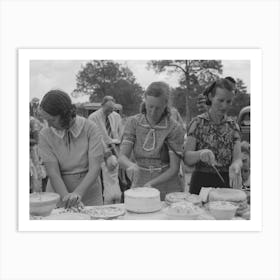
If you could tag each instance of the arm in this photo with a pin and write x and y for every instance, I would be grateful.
(191, 156)
(91, 176)
(237, 155)
(95, 157)
(129, 138)
(125, 153)
(51, 164)
(57, 183)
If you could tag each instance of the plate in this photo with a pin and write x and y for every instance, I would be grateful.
(105, 212)
(68, 216)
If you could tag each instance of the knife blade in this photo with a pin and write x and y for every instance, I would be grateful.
(218, 173)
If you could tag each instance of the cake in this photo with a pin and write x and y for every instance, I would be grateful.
(142, 200)
(235, 196)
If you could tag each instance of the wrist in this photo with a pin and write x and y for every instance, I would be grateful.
(200, 155)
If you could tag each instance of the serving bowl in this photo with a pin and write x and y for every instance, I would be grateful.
(222, 210)
(42, 204)
(182, 211)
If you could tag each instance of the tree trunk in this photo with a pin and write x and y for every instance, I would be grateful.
(188, 112)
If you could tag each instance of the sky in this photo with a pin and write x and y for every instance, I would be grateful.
(61, 74)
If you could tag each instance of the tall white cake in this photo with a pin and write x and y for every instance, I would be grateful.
(142, 200)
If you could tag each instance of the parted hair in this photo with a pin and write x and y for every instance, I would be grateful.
(211, 90)
(157, 89)
(58, 103)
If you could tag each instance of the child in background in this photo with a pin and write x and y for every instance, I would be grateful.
(245, 170)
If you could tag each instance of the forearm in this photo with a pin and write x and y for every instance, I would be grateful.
(237, 155)
(191, 157)
(162, 178)
(124, 162)
(58, 184)
(88, 180)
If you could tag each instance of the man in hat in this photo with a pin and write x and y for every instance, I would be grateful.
(110, 125)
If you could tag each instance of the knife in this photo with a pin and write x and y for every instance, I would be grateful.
(218, 173)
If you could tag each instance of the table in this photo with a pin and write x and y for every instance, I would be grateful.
(159, 215)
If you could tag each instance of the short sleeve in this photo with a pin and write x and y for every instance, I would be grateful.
(176, 138)
(45, 150)
(192, 128)
(95, 142)
(129, 134)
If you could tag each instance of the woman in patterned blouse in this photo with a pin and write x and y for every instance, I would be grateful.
(145, 135)
(214, 142)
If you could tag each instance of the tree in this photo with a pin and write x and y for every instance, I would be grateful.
(192, 74)
(240, 87)
(99, 78)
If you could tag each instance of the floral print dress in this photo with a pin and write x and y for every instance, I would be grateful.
(219, 138)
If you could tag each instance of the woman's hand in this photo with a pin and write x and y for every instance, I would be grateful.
(72, 200)
(235, 179)
(147, 185)
(111, 162)
(133, 172)
(207, 156)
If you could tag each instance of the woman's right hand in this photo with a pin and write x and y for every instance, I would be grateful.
(71, 200)
(111, 162)
(133, 172)
(207, 156)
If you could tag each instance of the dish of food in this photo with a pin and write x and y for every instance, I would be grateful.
(105, 212)
(183, 211)
(68, 216)
(222, 210)
(182, 196)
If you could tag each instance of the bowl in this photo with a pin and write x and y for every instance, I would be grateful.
(42, 204)
(182, 211)
(222, 210)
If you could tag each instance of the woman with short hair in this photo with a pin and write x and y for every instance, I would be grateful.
(71, 150)
(213, 142)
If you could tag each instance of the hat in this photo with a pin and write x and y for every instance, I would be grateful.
(107, 98)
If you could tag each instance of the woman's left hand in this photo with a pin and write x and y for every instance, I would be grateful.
(235, 180)
(71, 200)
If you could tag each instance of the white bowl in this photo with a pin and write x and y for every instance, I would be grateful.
(222, 210)
(182, 211)
(42, 204)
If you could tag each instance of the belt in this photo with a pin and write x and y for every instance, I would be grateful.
(152, 168)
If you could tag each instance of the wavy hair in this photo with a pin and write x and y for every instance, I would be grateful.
(58, 103)
(211, 90)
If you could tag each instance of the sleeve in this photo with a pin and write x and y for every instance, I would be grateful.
(129, 134)
(176, 138)
(192, 128)
(46, 152)
(95, 145)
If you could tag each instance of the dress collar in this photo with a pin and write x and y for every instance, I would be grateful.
(75, 129)
(162, 124)
(207, 117)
